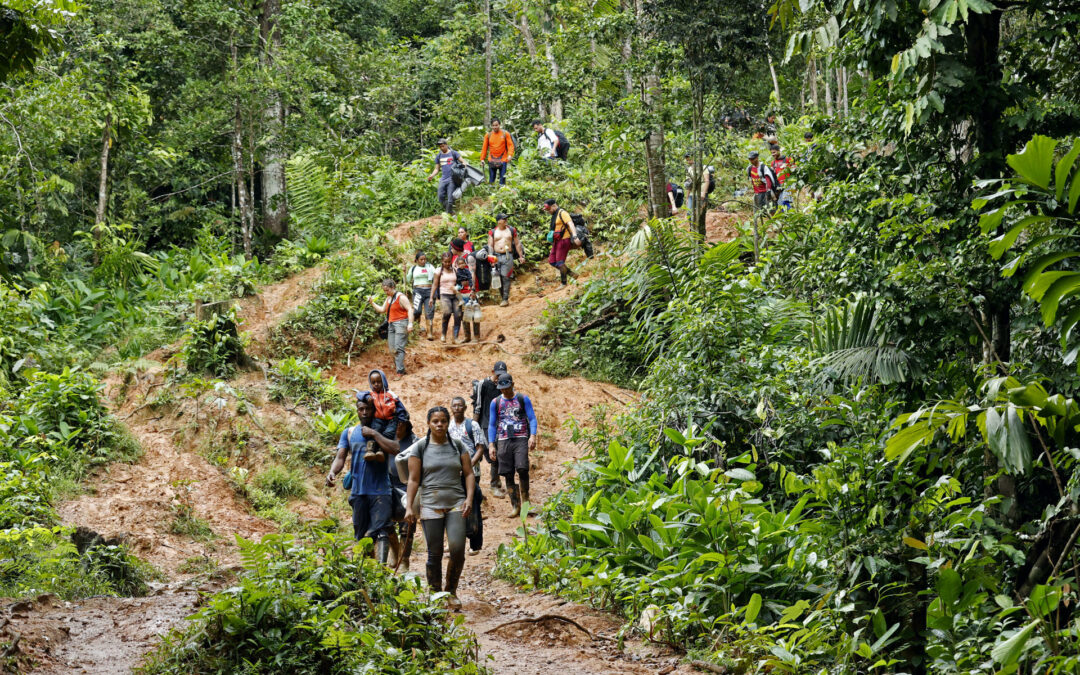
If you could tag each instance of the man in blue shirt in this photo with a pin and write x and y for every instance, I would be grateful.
(370, 495)
(444, 161)
(512, 426)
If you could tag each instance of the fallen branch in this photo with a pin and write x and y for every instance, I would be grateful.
(13, 648)
(485, 342)
(550, 617)
(600, 320)
(613, 396)
(348, 357)
(710, 667)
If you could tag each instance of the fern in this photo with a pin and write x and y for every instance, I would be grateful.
(309, 193)
(853, 349)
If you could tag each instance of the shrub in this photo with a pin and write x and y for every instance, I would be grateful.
(282, 482)
(214, 345)
(303, 382)
(316, 608)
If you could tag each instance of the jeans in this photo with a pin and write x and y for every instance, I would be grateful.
(504, 267)
(453, 526)
(446, 194)
(451, 306)
(396, 337)
(497, 170)
(422, 304)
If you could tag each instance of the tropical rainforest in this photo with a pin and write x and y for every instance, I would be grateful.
(839, 434)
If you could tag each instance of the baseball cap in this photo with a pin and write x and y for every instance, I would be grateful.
(442, 141)
(505, 381)
(500, 368)
(502, 216)
(457, 244)
(362, 395)
(549, 202)
(753, 154)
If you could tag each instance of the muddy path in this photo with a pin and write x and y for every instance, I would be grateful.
(137, 502)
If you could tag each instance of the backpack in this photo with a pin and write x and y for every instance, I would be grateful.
(564, 145)
(678, 193)
(458, 171)
(582, 233)
(710, 180)
(346, 480)
(476, 385)
(463, 277)
(483, 273)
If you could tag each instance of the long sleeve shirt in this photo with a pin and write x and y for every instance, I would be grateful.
(511, 418)
(499, 146)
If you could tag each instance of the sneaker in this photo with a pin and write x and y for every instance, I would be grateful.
(473, 552)
(401, 372)
(453, 603)
(504, 303)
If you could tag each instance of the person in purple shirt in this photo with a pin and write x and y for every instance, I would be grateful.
(370, 495)
(512, 427)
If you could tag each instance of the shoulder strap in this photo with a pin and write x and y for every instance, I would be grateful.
(468, 426)
(521, 401)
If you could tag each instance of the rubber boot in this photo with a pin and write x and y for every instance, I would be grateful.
(476, 330)
(525, 496)
(431, 329)
(515, 502)
(395, 547)
(434, 577)
(382, 549)
(453, 574)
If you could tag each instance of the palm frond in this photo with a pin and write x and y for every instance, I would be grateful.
(308, 192)
(852, 348)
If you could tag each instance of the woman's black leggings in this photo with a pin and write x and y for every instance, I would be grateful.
(452, 525)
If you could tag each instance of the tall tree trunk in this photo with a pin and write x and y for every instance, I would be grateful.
(530, 47)
(627, 48)
(553, 63)
(275, 211)
(246, 209)
(813, 84)
(826, 76)
(697, 217)
(775, 82)
(487, 64)
(654, 148)
(103, 177)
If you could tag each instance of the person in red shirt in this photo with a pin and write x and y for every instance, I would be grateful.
(398, 311)
(781, 166)
(498, 151)
(763, 181)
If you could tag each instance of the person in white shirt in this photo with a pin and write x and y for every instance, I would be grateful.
(546, 141)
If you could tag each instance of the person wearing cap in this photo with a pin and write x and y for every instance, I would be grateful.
(444, 162)
(563, 234)
(763, 182)
(512, 426)
(484, 392)
(370, 494)
(498, 151)
(503, 241)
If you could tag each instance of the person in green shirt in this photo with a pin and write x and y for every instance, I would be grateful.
(420, 277)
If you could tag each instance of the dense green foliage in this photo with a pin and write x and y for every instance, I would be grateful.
(316, 608)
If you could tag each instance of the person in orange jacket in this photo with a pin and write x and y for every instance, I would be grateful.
(498, 150)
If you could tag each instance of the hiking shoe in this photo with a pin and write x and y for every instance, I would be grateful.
(401, 372)
(444, 338)
(453, 603)
(473, 552)
(516, 512)
(504, 303)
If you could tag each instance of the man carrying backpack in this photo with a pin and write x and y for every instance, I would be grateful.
(763, 181)
(552, 144)
(503, 241)
(562, 236)
(484, 392)
(498, 151)
(367, 481)
(512, 425)
(444, 162)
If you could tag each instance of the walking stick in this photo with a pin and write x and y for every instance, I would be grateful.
(405, 545)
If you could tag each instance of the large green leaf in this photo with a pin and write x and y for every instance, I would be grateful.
(1008, 652)
(1061, 171)
(1035, 162)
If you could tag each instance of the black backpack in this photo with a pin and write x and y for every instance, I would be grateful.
(710, 180)
(458, 171)
(564, 144)
(463, 276)
(483, 273)
(582, 233)
(678, 193)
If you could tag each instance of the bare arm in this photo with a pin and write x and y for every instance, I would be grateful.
(518, 246)
(470, 484)
(410, 491)
(389, 445)
(336, 467)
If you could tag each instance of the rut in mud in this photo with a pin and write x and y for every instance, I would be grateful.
(136, 502)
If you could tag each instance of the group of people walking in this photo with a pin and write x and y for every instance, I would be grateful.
(396, 479)
(497, 152)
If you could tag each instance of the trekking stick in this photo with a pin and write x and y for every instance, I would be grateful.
(405, 545)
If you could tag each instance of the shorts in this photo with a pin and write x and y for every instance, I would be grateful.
(559, 250)
(371, 516)
(513, 454)
(431, 513)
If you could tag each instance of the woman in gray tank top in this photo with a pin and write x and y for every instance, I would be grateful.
(438, 466)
